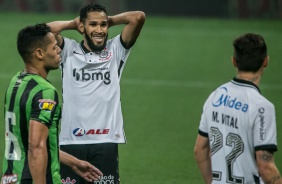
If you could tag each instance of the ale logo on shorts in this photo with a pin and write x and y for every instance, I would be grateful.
(68, 181)
(78, 132)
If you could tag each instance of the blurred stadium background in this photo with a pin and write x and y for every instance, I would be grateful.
(183, 53)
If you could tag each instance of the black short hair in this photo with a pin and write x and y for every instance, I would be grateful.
(32, 37)
(250, 51)
(92, 7)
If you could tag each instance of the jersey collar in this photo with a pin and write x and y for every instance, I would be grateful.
(84, 48)
(242, 82)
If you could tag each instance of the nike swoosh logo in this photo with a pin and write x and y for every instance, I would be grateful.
(77, 53)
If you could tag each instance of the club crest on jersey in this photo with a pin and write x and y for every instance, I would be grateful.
(68, 181)
(105, 55)
(47, 105)
(78, 132)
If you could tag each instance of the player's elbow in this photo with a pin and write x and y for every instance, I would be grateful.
(268, 171)
(264, 169)
(35, 148)
(198, 154)
(140, 17)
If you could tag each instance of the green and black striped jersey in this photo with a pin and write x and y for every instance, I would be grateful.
(30, 97)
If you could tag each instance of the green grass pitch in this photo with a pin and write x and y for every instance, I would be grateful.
(173, 67)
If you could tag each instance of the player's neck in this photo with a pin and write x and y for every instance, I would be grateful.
(32, 70)
(248, 76)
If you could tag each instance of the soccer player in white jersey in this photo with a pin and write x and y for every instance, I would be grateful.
(92, 123)
(237, 132)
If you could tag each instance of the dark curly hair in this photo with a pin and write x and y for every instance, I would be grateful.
(93, 7)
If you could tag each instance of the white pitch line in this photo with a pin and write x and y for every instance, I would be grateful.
(164, 83)
(189, 84)
(167, 83)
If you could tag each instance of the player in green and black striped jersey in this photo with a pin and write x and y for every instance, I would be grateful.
(30, 99)
(32, 114)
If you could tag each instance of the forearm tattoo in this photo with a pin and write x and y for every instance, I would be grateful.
(266, 156)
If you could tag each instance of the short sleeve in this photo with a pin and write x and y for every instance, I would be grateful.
(44, 106)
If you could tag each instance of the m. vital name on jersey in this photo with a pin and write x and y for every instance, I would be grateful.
(81, 132)
(88, 74)
(228, 101)
(225, 120)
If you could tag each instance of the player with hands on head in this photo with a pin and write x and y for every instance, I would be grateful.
(32, 114)
(92, 121)
(237, 133)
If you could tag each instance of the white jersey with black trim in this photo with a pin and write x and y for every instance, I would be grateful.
(91, 93)
(238, 120)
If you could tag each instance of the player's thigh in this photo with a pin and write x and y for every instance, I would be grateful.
(67, 174)
(104, 156)
(26, 181)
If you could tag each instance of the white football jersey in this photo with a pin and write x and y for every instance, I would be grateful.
(91, 93)
(238, 120)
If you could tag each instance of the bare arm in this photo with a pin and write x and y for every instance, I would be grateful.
(202, 155)
(134, 21)
(37, 151)
(267, 168)
(82, 168)
(58, 26)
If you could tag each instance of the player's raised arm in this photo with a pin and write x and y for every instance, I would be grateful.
(134, 21)
(58, 26)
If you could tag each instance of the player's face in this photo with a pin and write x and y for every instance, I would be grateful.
(52, 56)
(96, 30)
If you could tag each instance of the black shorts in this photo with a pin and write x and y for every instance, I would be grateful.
(104, 156)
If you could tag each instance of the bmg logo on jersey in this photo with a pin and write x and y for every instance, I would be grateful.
(81, 132)
(87, 75)
(222, 98)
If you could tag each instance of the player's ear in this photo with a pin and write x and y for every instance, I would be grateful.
(39, 53)
(234, 61)
(81, 27)
(265, 61)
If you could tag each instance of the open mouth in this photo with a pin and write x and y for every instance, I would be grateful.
(98, 38)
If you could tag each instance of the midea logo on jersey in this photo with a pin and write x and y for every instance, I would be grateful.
(81, 132)
(222, 98)
(86, 75)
